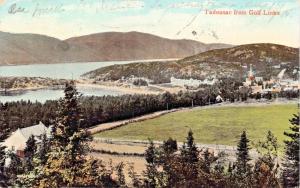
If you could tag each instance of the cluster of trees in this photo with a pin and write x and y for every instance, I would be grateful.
(140, 82)
(188, 166)
(62, 160)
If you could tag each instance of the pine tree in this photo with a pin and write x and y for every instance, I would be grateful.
(29, 152)
(68, 144)
(14, 168)
(243, 153)
(241, 175)
(3, 177)
(167, 158)
(169, 146)
(207, 161)
(43, 150)
(151, 172)
(190, 152)
(190, 158)
(36, 162)
(3, 135)
(291, 164)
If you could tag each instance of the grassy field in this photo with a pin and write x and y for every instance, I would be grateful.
(221, 125)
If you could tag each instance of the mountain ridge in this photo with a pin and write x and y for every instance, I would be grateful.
(28, 48)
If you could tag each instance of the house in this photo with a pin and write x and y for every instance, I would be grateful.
(16, 142)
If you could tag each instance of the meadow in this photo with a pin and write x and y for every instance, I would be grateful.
(220, 125)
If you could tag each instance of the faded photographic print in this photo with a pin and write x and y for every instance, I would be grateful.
(149, 93)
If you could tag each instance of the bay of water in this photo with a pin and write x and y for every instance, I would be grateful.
(62, 70)
(56, 71)
(42, 95)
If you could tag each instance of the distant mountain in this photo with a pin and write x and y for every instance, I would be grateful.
(18, 49)
(267, 60)
(136, 46)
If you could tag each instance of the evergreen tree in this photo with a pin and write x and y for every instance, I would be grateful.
(14, 168)
(190, 152)
(207, 161)
(3, 135)
(36, 162)
(291, 163)
(167, 160)
(3, 177)
(68, 144)
(190, 158)
(43, 150)
(151, 172)
(169, 146)
(29, 153)
(242, 176)
(243, 153)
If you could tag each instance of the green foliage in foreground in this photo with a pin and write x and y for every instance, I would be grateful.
(221, 125)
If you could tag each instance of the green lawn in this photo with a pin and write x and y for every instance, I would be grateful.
(221, 125)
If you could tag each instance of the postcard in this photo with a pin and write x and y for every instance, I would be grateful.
(149, 93)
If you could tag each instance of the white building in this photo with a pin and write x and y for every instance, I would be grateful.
(16, 142)
(191, 82)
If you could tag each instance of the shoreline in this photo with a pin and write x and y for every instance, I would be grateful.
(19, 90)
(118, 88)
(121, 89)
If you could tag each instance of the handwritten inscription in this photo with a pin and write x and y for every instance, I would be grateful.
(40, 10)
(14, 9)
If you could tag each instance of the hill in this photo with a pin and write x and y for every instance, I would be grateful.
(18, 49)
(267, 59)
(136, 45)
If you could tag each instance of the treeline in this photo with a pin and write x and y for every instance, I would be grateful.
(98, 110)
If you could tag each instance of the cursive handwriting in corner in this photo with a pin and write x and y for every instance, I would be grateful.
(14, 9)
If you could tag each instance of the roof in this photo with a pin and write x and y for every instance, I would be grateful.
(18, 139)
(35, 130)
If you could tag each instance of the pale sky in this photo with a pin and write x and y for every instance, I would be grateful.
(176, 19)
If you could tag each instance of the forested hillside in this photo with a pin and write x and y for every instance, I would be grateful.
(267, 60)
